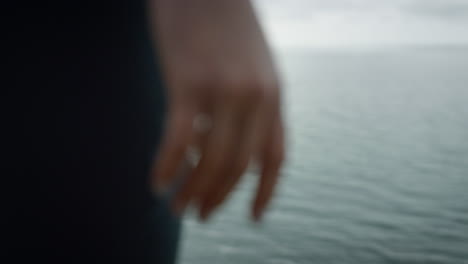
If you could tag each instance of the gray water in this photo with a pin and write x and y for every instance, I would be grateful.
(377, 169)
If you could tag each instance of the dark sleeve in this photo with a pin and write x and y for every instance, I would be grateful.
(85, 106)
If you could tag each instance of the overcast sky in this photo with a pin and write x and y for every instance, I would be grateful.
(326, 23)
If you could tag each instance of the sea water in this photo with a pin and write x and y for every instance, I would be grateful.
(377, 168)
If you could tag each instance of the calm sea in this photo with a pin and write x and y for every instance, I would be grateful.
(377, 169)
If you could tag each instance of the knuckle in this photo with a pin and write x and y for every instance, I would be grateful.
(191, 85)
(204, 81)
(243, 89)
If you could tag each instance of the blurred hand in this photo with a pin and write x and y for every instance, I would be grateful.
(216, 64)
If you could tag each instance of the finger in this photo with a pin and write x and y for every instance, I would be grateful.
(262, 114)
(260, 125)
(224, 185)
(216, 153)
(178, 134)
(247, 117)
(272, 159)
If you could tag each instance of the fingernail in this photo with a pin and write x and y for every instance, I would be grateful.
(202, 218)
(257, 215)
(203, 213)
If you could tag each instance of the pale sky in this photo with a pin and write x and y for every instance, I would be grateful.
(328, 23)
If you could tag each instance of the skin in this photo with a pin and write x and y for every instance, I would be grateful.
(216, 61)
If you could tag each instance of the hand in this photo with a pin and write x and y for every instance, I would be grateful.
(216, 63)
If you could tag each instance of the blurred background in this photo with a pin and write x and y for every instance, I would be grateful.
(376, 104)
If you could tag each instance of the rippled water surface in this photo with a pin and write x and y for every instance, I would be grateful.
(377, 169)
